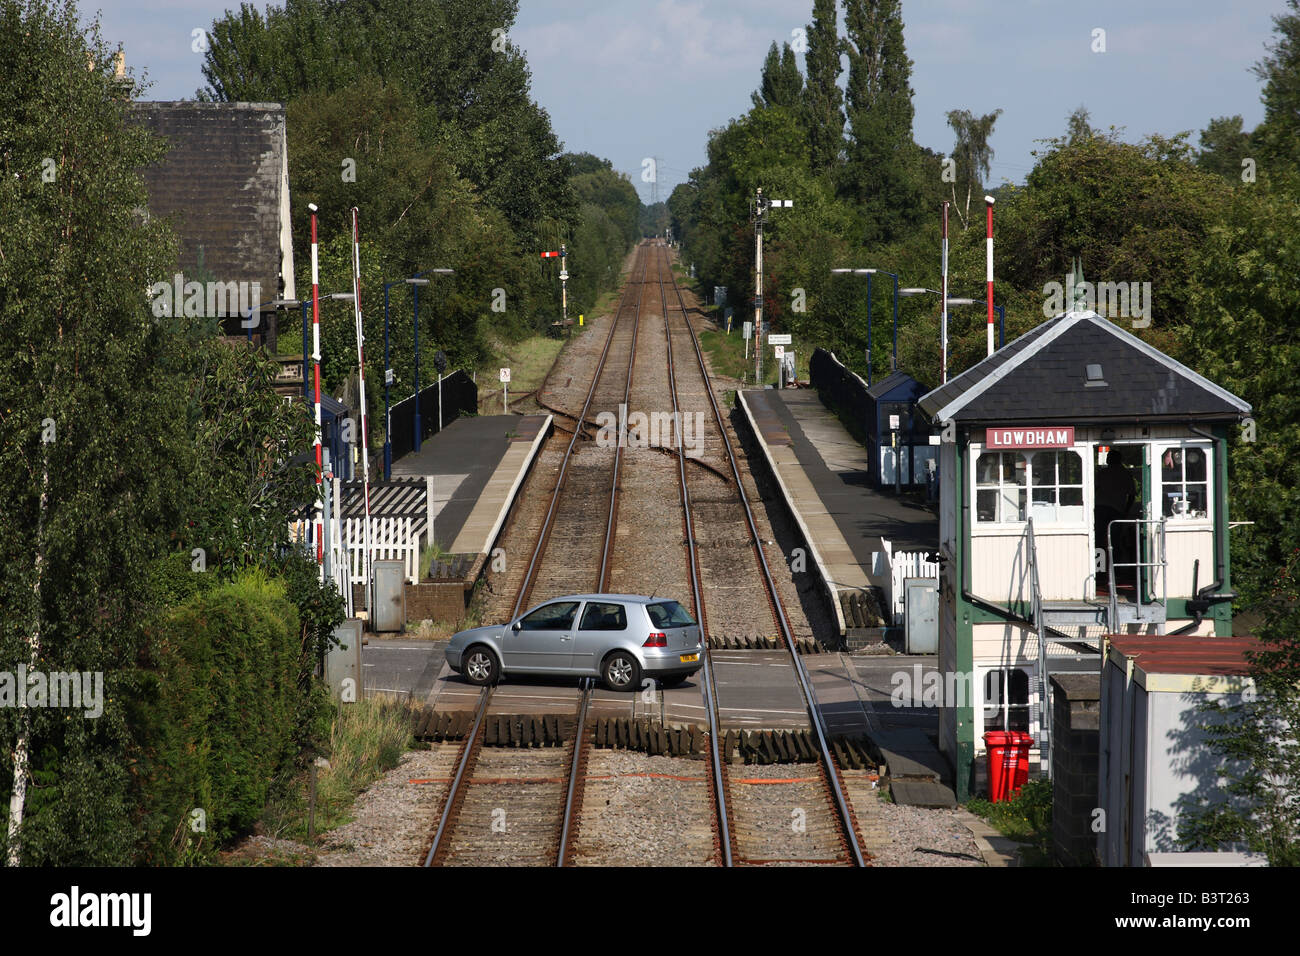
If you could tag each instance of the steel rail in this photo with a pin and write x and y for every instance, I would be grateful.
(710, 700)
(472, 744)
(818, 726)
(454, 792)
(542, 539)
(569, 802)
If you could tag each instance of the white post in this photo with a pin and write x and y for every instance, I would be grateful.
(361, 373)
(943, 334)
(315, 358)
(428, 505)
(988, 267)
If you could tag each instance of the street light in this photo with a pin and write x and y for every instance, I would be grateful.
(415, 282)
(869, 273)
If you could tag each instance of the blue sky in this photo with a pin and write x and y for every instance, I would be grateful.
(630, 79)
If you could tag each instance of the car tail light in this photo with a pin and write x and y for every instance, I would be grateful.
(656, 640)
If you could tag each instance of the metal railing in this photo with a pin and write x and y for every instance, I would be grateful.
(1040, 626)
(1144, 583)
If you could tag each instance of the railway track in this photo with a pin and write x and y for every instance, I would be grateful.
(523, 805)
(776, 817)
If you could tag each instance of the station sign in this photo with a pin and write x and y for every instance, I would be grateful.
(775, 339)
(749, 330)
(1030, 437)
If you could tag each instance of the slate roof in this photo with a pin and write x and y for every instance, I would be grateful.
(1040, 377)
(890, 382)
(224, 183)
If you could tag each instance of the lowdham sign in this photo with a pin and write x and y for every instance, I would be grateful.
(1029, 437)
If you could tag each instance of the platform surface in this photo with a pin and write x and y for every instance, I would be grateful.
(478, 464)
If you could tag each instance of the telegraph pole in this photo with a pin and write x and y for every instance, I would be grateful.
(564, 289)
(759, 207)
(759, 211)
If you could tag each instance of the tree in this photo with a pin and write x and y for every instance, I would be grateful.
(1254, 738)
(1224, 144)
(93, 414)
(1078, 126)
(881, 173)
(782, 83)
(1278, 137)
(972, 153)
(823, 99)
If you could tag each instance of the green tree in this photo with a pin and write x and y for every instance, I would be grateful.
(1254, 739)
(823, 98)
(1278, 137)
(92, 419)
(782, 83)
(1224, 144)
(882, 170)
(972, 153)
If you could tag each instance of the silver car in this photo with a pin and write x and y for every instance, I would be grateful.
(620, 638)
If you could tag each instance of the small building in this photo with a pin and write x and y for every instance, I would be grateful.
(1154, 741)
(895, 431)
(1083, 492)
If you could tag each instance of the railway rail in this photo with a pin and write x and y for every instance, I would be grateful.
(536, 793)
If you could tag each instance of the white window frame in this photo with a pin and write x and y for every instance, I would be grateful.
(982, 672)
(1085, 452)
(1158, 449)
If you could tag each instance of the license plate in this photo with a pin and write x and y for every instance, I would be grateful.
(690, 658)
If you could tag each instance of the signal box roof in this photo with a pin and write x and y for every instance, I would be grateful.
(1043, 376)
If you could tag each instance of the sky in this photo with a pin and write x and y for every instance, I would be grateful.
(635, 79)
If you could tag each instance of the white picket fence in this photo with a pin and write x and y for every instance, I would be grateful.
(391, 539)
(903, 565)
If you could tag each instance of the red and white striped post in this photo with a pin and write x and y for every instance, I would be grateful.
(988, 265)
(315, 361)
(943, 334)
(361, 373)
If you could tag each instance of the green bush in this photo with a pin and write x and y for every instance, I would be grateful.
(224, 715)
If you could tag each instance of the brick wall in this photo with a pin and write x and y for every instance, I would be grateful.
(1076, 712)
(439, 601)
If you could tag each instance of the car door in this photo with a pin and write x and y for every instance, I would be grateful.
(602, 627)
(542, 640)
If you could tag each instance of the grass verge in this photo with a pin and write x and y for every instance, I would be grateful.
(1026, 818)
(367, 739)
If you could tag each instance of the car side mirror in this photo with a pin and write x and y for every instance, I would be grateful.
(515, 626)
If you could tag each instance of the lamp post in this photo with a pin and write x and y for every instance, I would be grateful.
(416, 282)
(869, 273)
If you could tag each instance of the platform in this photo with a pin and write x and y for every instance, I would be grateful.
(822, 472)
(478, 465)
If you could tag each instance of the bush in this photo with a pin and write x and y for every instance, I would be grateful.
(224, 713)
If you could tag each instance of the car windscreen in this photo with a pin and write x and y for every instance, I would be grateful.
(669, 614)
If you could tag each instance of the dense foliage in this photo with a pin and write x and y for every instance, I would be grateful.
(1213, 231)
(422, 118)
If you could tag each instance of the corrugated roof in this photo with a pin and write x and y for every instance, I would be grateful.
(1182, 654)
(1041, 377)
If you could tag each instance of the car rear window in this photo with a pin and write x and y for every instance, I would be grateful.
(669, 614)
(604, 617)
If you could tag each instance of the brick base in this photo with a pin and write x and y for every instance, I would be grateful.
(441, 601)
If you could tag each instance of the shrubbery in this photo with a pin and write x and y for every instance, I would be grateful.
(223, 713)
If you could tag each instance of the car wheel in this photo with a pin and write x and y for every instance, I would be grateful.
(677, 680)
(621, 671)
(480, 666)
